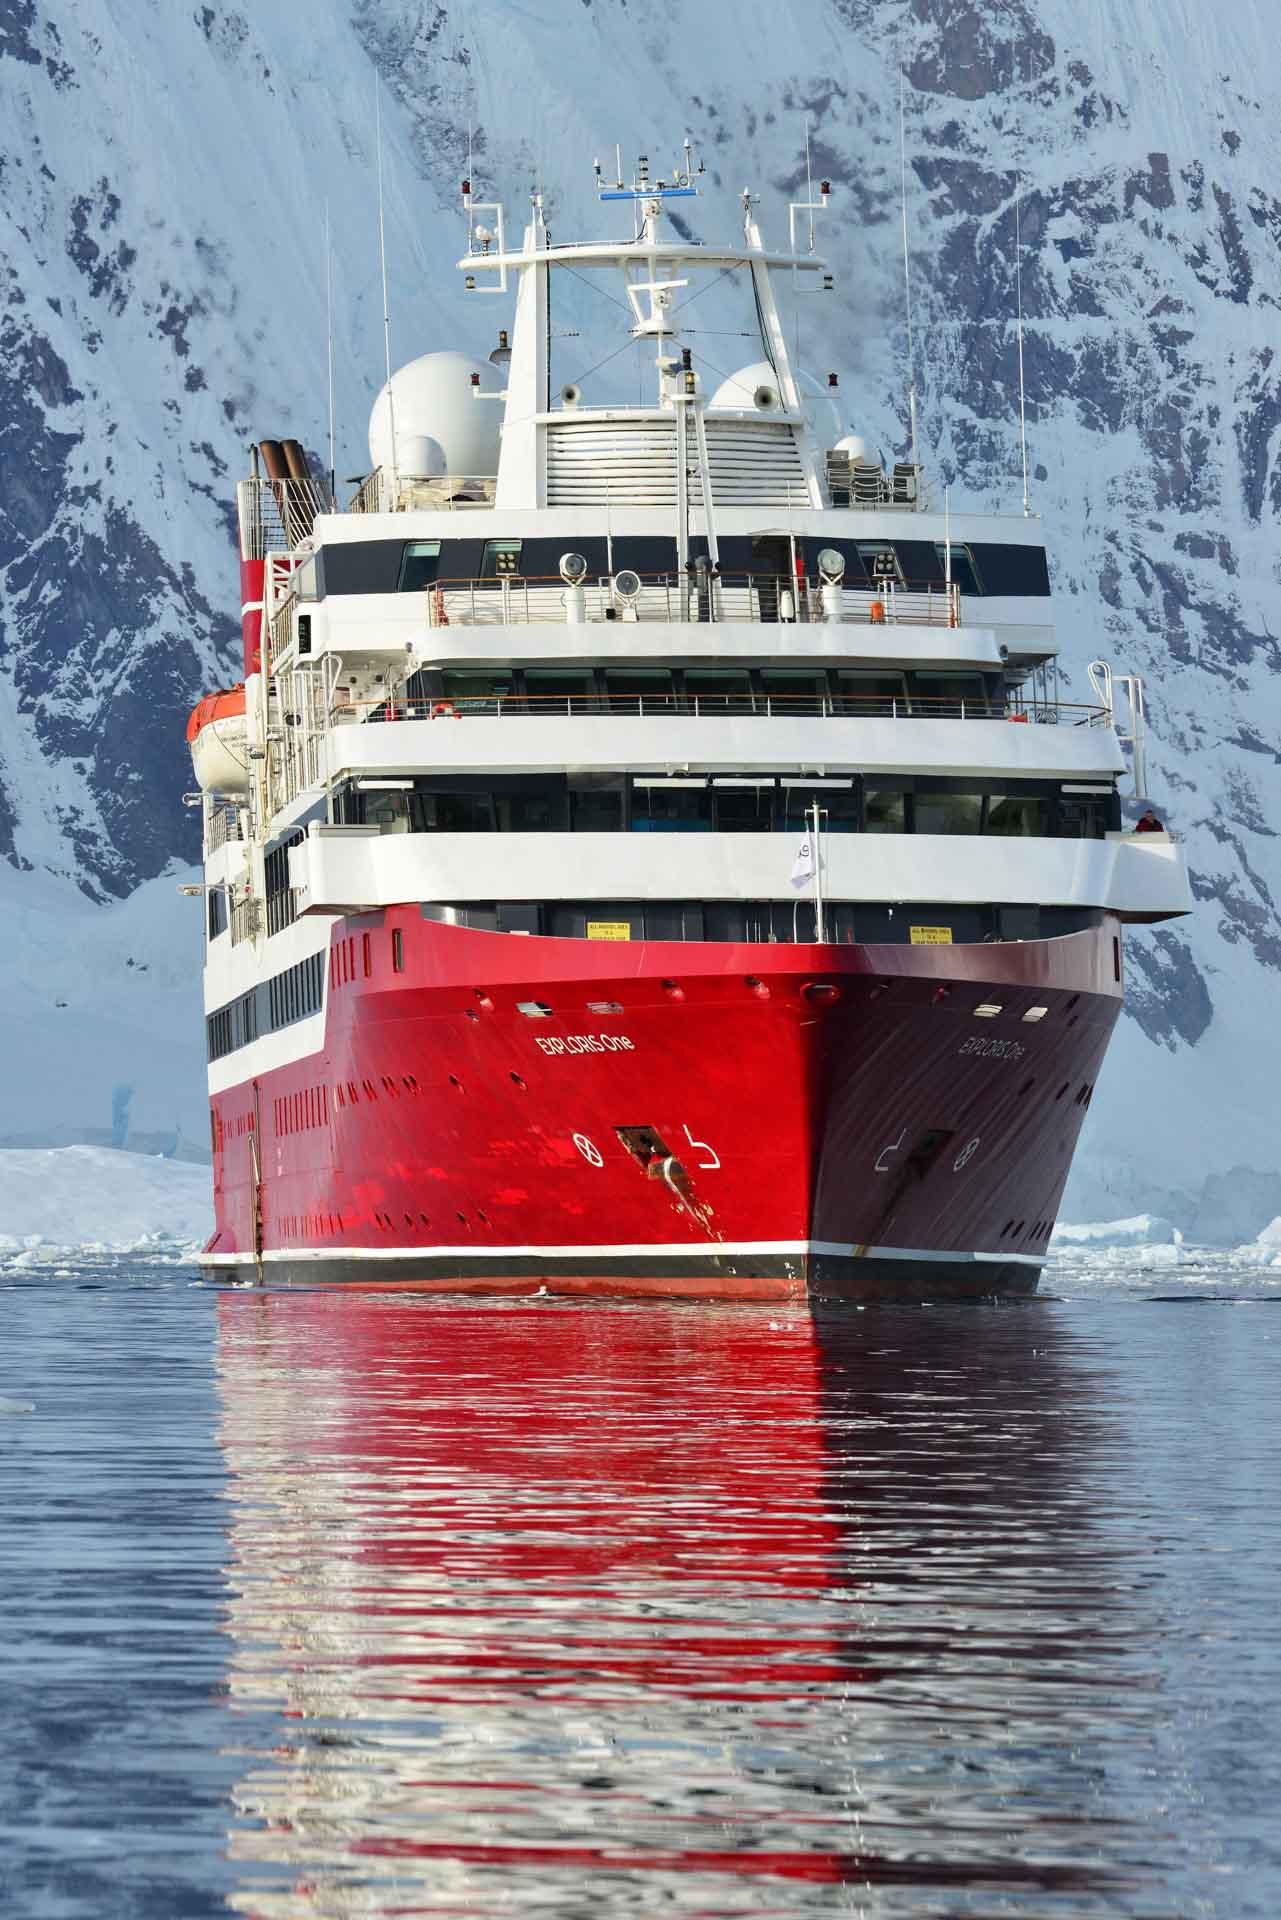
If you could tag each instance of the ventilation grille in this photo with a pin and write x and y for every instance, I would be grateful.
(623, 463)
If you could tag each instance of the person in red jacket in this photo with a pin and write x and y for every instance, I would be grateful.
(1148, 823)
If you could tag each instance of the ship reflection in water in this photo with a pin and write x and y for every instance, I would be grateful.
(575, 1609)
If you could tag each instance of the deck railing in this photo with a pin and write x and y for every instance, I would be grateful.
(719, 706)
(381, 492)
(222, 823)
(753, 599)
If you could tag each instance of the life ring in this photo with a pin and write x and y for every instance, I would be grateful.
(444, 709)
(1019, 719)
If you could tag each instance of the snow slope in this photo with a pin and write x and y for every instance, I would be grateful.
(163, 178)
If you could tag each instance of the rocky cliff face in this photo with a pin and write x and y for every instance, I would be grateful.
(163, 183)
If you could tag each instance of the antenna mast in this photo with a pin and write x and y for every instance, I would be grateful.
(382, 260)
(329, 329)
(1018, 287)
(907, 273)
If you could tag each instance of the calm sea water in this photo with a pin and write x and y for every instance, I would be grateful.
(324, 1605)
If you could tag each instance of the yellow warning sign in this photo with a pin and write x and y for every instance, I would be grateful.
(931, 936)
(615, 930)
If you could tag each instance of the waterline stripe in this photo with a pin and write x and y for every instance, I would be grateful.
(480, 1256)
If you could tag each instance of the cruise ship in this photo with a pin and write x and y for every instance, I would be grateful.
(649, 852)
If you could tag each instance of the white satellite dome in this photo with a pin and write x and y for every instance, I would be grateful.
(440, 426)
(755, 389)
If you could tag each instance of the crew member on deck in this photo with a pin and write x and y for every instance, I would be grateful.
(1148, 823)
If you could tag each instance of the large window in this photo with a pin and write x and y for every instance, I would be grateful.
(840, 803)
(530, 813)
(1018, 815)
(596, 803)
(871, 695)
(885, 810)
(672, 806)
(794, 693)
(474, 691)
(965, 573)
(946, 694)
(638, 689)
(418, 565)
(456, 812)
(948, 812)
(551, 689)
(881, 561)
(719, 690)
(501, 560)
(745, 806)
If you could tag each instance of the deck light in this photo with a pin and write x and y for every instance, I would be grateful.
(831, 563)
(573, 568)
(627, 585)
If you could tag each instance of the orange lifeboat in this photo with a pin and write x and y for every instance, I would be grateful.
(217, 738)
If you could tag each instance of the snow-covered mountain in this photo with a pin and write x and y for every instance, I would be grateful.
(164, 177)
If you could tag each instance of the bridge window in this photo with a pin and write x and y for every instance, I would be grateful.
(419, 565)
(881, 561)
(965, 573)
(501, 560)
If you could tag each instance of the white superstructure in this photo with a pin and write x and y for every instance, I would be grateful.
(589, 669)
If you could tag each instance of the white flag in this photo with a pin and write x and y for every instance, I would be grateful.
(803, 868)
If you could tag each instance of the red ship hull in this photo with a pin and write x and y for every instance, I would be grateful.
(710, 1119)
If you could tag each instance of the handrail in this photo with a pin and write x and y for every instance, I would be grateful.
(399, 705)
(435, 492)
(756, 596)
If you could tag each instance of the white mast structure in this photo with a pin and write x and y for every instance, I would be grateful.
(650, 265)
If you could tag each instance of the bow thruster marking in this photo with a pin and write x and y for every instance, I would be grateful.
(893, 1147)
(715, 1160)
